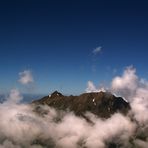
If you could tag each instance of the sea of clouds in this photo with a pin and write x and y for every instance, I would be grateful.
(22, 127)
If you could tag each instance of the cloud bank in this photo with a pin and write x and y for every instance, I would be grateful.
(21, 126)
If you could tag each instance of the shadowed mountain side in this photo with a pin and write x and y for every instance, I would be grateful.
(102, 104)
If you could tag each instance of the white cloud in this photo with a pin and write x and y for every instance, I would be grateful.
(97, 50)
(26, 77)
(14, 96)
(135, 90)
(92, 88)
(21, 127)
(126, 84)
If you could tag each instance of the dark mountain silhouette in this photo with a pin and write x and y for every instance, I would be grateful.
(102, 104)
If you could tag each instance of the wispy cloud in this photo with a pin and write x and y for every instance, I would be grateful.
(26, 77)
(92, 88)
(14, 96)
(97, 50)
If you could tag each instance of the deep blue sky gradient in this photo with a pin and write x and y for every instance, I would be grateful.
(55, 39)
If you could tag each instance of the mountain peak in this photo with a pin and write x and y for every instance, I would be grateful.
(56, 94)
(102, 104)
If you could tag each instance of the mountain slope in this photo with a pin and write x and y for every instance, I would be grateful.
(102, 104)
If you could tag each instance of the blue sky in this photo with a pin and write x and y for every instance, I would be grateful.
(55, 41)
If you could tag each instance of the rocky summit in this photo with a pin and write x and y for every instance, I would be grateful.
(102, 104)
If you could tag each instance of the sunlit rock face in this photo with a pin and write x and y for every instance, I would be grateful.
(102, 104)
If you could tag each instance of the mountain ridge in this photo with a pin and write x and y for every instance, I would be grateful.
(102, 104)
